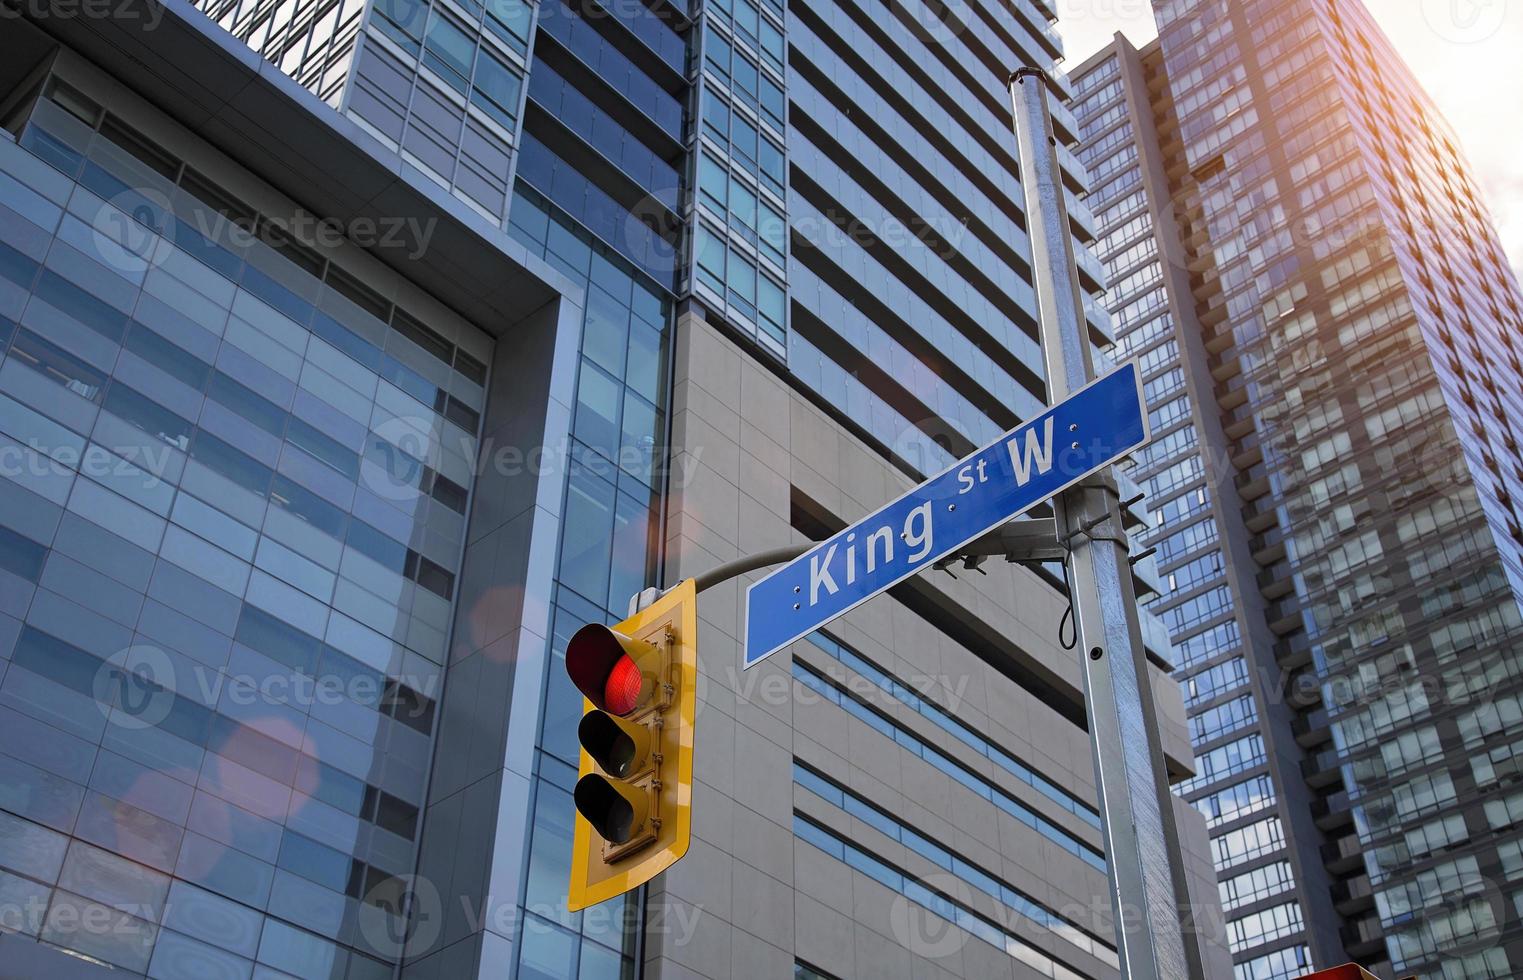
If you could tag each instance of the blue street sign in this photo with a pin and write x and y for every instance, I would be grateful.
(1091, 429)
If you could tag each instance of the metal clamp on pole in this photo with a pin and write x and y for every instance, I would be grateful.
(1136, 806)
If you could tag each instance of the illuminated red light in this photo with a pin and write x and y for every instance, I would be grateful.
(621, 692)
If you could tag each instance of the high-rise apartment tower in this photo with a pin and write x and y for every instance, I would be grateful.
(1295, 245)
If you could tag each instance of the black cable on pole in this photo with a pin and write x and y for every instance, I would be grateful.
(1068, 614)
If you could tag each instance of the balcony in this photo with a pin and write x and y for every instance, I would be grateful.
(1219, 342)
(1320, 769)
(1145, 577)
(1353, 896)
(1332, 813)
(1269, 547)
(1311, 729)
(1293, 652)
(1251, 490)
(1136, 516)
(1251, 456)
(1232, 396)
(1259, 519)
(1343, 855)
(1276, 581)
(1285, 616)
(1239, 428)
(1365, 940)
(1229, 368)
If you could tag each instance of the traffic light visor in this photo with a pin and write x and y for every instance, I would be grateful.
(620, 749)
(615, 812)
(605, 666)
(634, 794)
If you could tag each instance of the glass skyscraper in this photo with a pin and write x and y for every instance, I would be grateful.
(1248, 783)
(356, 354)
(1331, 298)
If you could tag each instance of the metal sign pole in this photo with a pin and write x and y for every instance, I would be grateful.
(1137, 817)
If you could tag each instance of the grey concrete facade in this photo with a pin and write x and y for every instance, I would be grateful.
(761, 897)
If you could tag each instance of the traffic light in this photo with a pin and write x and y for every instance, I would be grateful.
(634, 794)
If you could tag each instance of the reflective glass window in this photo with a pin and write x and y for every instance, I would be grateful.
(449, 50)
(496, 89)
(57, 364)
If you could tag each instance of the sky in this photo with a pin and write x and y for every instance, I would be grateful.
(1468, 54)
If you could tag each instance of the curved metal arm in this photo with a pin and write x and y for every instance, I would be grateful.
(750, 563)
(725, 572)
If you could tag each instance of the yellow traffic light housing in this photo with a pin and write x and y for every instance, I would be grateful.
(635, 790)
